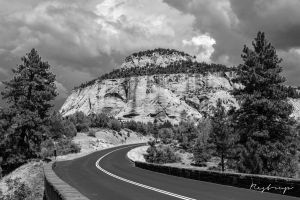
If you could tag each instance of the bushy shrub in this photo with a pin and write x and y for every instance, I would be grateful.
(139, 127)
(47, 149)
(82, 127)
(60, 127)
(142, 128)
(81, 121)
(69, 128)
(166, 135)
(161, 154)
(115, 124)
(56, 128)
(166, 124)
(92, 133)
(99, 120)
(63, 145)
(20, 190)
(132, 125)
(66, 146)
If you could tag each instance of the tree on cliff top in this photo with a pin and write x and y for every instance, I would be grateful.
(263, 122)
(29, 94)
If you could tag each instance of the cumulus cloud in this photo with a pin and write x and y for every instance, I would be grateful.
(94, 36)
(77, 33)
(132, 25)
(204, 45)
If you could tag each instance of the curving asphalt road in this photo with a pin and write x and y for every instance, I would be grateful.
(109, 175)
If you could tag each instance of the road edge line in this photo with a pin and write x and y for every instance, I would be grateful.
(136, 183)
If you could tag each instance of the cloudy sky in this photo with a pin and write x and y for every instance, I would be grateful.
(83, 39)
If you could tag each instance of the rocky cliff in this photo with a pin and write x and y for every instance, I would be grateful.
(173, 96)
(165, 97)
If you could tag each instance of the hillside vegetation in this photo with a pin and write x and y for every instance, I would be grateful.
(176, 66)
(259, 137)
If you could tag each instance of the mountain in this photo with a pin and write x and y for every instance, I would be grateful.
(160, 84)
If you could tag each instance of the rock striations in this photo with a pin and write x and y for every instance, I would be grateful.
(147, 96)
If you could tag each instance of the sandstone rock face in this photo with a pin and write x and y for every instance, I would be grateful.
(172, 97)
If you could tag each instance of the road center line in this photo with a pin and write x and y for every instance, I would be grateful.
(135, 183)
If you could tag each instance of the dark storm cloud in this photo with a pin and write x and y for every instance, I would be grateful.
(233, 23)
(279, 19)
(291, 66)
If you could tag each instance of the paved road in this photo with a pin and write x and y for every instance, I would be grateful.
(115, 178)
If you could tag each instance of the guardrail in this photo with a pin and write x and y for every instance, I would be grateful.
(57, 189)
(270, 183)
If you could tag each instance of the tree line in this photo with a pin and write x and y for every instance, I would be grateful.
(177, 67)
(160, 51)
(260, 137)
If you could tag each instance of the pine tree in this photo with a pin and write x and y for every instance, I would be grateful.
(221, 138)
(29, 94)
(263, 122)
(201, 152)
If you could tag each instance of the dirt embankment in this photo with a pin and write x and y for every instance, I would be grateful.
(31, 174)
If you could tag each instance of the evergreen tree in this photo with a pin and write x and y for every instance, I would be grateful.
(201, 152)
(263, 122)
(29, 94)
(201, 148)
(166, 135)
(221, 138)
(155, 129)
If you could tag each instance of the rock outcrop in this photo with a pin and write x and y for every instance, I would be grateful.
(170, 97)
(173, 96)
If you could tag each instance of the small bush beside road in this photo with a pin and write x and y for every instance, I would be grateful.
(161, 154)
